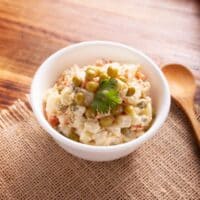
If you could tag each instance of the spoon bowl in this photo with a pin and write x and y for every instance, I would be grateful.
(182, 87)
(181, 81)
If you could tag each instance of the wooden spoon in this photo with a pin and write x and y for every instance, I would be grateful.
(182, 87)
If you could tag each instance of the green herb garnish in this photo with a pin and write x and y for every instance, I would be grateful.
(107, 96)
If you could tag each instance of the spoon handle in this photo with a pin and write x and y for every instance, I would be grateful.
(195, 124)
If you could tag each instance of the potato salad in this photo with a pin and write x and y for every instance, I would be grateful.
(106, 103)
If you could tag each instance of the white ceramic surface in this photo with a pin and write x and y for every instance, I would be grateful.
(87, 53)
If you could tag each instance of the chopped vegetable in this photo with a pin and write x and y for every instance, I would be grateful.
(131, 91)
(74, 136)
(103, 76)
(112, 71)
(90, 113)
(80, 98)
(77, 81)
(92, 86)
(124, 121)
(53, 120)
(106, 121)
(90, 74)
(129, 110)
(126, 131)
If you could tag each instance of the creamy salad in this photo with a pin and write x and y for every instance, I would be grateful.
(106, 103)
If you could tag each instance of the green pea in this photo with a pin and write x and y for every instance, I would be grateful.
(76, 81)
(131, 91)
(74, 136)
(92, 86)
(129, 110)
(125, 131)
(90, 113)
(90, 74)
(103, 76)
(80, 98)
(106, 121)
(112, 71)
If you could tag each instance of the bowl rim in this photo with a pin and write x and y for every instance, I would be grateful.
(81, 146)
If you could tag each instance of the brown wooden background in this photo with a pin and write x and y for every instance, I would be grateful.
(31, 30)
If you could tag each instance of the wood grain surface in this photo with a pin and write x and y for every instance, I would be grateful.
(166, 30)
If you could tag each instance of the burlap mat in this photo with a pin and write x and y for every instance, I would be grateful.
(33, 166)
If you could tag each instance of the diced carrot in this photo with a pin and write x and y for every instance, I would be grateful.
(53, 120)
(140, 75)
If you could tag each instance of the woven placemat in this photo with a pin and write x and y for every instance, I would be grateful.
(33, 166)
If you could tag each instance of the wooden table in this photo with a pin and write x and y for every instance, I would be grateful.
(166, 30)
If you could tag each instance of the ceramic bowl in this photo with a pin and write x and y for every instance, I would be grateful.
(87, 53)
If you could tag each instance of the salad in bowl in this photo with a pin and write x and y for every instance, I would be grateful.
(105, 103)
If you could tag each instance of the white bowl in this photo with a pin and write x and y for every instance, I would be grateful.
(87, 53)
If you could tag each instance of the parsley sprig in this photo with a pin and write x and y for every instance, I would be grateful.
(107, 96)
